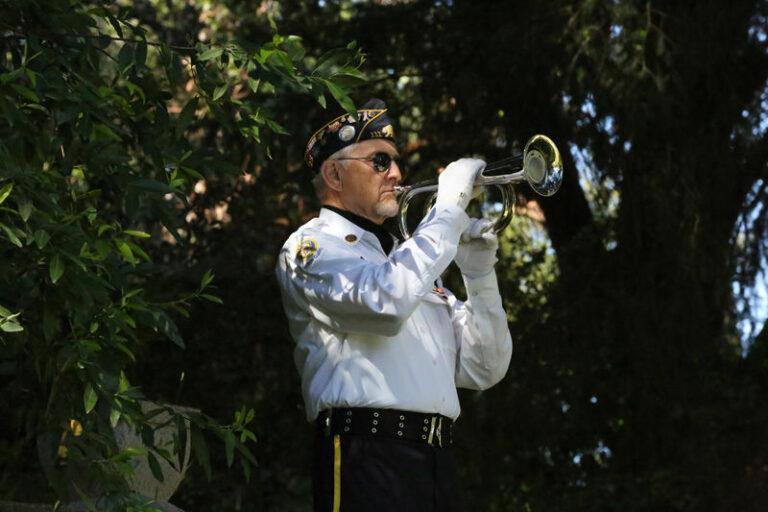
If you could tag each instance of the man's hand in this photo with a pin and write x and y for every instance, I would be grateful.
(456, 182)
(477, 248)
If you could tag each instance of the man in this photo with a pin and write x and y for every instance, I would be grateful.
(381, 346)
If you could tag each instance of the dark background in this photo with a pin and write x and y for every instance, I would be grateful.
(633, 384)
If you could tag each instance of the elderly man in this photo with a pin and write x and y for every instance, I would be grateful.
(381, 345)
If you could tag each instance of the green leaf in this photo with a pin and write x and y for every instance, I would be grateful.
(11, 235)
(8, 323)
(32, 77)
(206, 280)
(157, 472)
(5, 192)
(135, 89)
(139, 234)
(104, 132)
(341, 97)
(349, 80)
(56, 267)
(180, 310)
(114, 415)
(115, 25)
(141, 54)
(127, 351)
(125, 57)
(245, 452)
(25, 209)
(41, 238)
(335, 57)
(24, 91)
(212, 298)
(212, 53)
(163, 323)
(9, 326)
(247, 434)
(220, 91)
(186, 116)
(246, 470)
(123, 383)
(200, 448)
(276, 127)
(133, 451)
(9, 77)
(133, 292)
(125, 250)
(138, 250)
(89, 398)
(181, 449)
(229, 446)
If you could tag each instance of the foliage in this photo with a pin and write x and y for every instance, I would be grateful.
(105, 130)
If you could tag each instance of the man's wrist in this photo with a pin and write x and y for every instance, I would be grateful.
(482, 288)
(476, 274)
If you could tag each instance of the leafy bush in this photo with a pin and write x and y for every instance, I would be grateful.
(101, 142)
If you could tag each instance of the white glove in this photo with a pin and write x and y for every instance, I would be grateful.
(477, 248)
(455, 183)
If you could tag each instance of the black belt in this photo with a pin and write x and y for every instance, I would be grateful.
(432, 429)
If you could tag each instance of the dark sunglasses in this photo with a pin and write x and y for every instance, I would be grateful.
(381, 161)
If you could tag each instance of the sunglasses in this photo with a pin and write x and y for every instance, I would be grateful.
(381, 161)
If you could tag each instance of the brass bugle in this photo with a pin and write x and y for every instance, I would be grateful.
(540, 165)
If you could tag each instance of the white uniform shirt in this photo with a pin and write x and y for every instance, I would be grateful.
(374, 331)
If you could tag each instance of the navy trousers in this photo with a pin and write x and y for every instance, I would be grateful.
(359, 473)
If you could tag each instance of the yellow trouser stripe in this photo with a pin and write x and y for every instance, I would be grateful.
(336, 473)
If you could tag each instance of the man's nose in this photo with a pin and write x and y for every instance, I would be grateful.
(394, 171)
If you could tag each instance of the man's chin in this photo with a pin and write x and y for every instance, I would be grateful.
(388, 209)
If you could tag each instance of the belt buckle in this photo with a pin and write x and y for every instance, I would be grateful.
(435, 432)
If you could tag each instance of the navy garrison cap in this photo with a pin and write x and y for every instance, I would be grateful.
(372, 123)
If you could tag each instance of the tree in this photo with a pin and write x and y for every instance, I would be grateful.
(103, 135)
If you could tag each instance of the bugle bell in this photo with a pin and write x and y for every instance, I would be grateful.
(540, 165)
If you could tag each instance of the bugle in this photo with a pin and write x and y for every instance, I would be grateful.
(540, 165)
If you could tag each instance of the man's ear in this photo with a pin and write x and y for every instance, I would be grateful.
(331, 171)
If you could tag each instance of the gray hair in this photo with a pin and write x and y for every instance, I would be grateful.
(321, 187)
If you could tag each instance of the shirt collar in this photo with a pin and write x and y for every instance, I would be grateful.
(352, 227)
(342, 227)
